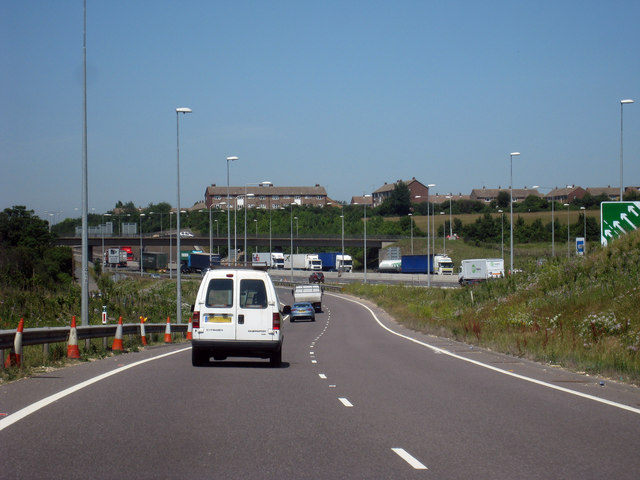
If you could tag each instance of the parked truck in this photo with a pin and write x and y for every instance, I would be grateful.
(335, 261)
(479, 270)
(303, 261)
(309, 293)
(417, 264)
(442, 265)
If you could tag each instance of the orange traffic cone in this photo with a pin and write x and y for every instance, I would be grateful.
(143, 334)
(190, 330)
(15, 356)
(72, 347)
(167, 332)
(117, 341)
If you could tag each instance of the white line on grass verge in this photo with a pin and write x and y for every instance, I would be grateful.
(495, 369)
(34, 407)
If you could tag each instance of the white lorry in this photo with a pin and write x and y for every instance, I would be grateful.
(479, 270)
(115, 257)
(309, 293)
(268, 259)
(303, 261)
(495, 268)
(442, 265)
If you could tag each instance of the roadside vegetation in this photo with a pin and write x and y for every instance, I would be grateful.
(580, 313)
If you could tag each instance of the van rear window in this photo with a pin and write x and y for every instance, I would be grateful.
(220, 293)
(253, 294)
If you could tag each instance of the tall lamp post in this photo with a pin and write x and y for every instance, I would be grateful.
(622, 104)
(584, 218)
(411, 224)
(244, 204)
(141, 215)
(431, 185)
(183, 110)
(229, 159)
(502, 232)
(291, 252)
(568, 231)
(513, 154)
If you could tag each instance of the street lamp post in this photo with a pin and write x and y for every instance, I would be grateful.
(244, 204)
(141, 215)
(291, 251)
(622, 103)
(229, 159)
(568, 231)
(297, 235)
(183, 110)
(431, 185)
(170, 247)
(411, 224)
(502, 233)
(513, 154)
(255, 221)
(584, 218)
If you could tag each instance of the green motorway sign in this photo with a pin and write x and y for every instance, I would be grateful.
(617, 219)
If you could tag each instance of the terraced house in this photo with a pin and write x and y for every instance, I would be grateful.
(265, 196)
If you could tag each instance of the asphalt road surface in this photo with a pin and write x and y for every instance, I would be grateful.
(352, 400)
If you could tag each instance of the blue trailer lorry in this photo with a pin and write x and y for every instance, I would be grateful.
(417, 264)
(196, 262)
(332, 261)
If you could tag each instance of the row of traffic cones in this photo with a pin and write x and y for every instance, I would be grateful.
(14, 359)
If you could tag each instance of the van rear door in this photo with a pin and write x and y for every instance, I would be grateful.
(255, 318)
(218, 318)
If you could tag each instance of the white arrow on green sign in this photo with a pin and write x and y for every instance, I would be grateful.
(617, 219)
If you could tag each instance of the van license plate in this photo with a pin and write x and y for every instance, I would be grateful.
(218, 319)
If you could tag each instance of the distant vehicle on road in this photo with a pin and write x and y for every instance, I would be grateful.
(302, 311)
(186, 234)
(316, 277)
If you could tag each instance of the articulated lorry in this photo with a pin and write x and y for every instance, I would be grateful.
(115, 257)
(335, 261)
(442, 265)
(303, 261)
(268, 259)
(417, 264)
(197, 262)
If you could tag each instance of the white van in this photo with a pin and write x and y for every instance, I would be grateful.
(237, 313)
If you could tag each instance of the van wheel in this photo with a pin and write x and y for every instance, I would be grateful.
(276, 359)
(198, 358)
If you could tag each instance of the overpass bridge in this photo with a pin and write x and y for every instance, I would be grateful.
(155, 242)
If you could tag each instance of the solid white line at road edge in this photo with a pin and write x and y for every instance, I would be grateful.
(495, 369)
(410, 459)
(34, 407)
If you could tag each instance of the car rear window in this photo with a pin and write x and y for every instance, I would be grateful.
(220, 293)
(253, 294)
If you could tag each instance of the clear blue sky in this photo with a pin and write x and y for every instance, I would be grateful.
(347, 94)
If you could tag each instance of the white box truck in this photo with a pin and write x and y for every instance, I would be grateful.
(472, 271)
(303, 261)
(268, 259)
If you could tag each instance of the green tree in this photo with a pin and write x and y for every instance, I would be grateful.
(398, 203)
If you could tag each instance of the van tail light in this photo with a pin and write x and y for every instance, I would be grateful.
(195, 319)
(276, 321)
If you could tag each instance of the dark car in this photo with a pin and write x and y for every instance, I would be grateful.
(302, 311)
(316, 277)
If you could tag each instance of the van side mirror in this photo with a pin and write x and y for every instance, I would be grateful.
(192, 308)
(286, 310)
